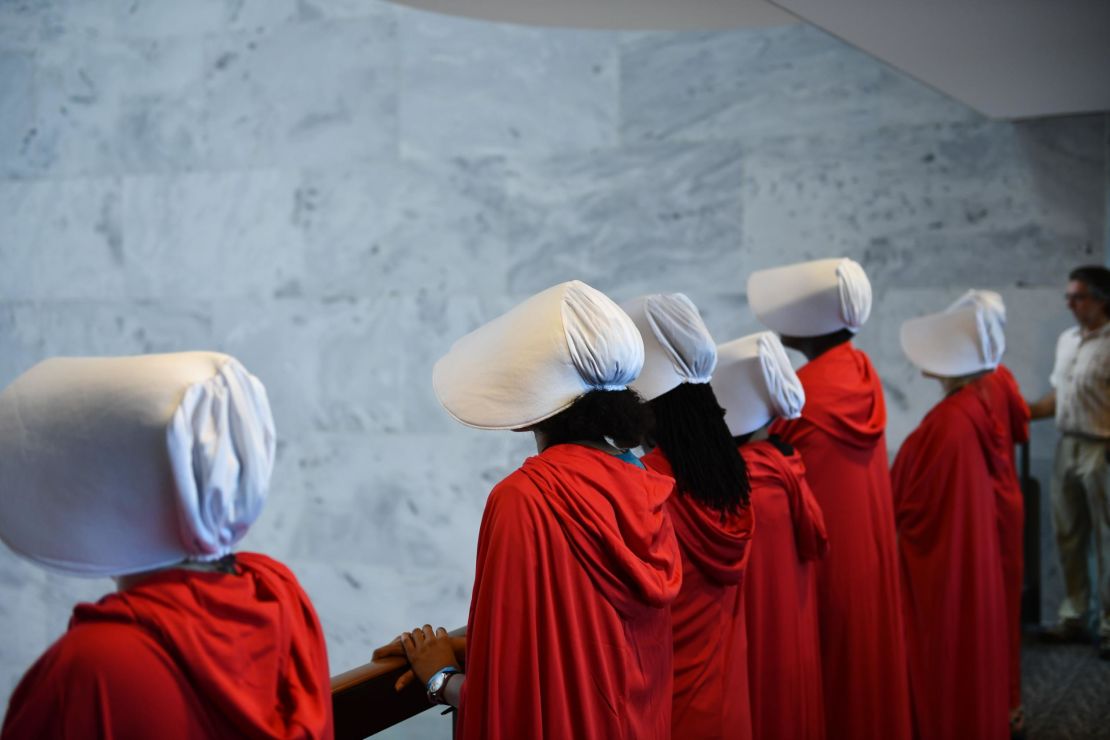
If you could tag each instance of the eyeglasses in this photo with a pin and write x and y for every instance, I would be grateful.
(1076, 297)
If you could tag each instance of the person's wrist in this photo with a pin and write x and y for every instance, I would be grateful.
(437, 684)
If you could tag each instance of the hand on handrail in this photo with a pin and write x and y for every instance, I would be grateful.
(395, 649)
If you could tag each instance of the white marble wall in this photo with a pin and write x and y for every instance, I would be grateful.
(334, 190)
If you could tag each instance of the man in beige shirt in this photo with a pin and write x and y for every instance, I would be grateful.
(1080, 401)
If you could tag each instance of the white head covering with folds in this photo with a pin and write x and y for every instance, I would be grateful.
(536, 360)
(994, 311)
(117, 465)
(755, 383)
(953, 343)
(677, 346)
(809, 299)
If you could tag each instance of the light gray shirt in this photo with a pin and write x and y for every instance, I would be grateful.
(1081, 377)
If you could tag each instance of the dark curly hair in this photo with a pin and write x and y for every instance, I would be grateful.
(621, 416)
(690, 428)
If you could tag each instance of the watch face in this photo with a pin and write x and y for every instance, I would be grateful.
(437, 682)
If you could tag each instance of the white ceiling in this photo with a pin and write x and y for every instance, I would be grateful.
(1005, 58)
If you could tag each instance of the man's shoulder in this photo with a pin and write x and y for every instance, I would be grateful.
(1070, 335)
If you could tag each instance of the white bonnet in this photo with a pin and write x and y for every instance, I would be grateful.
(117, 465)
(677, 346)
(809, 299)
(755, 383)
(953, 343)
(993, 310)
(538, 358)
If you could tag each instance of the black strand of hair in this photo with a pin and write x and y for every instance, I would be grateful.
(690, 427)
(621, 416)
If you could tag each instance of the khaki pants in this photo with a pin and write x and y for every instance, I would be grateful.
(1081, 513)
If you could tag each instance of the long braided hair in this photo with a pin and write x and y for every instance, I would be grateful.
(690, 428)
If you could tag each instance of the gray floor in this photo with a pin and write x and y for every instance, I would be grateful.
(1066, 690)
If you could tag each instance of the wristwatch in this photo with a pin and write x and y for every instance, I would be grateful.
(438, 682)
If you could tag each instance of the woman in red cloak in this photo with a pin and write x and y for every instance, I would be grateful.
(946, 510)
(150, 469)
(1009, 410)
(817, 307)
(711, 513)
(756, 384)
(569, 630)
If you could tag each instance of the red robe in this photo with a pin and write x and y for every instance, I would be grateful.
(710, 638)
(780, 598)
(569, 633)
(184, 654)
(954, 598)
(841, 436)
(1012, 416)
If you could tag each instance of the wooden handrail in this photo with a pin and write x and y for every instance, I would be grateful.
(365, 702)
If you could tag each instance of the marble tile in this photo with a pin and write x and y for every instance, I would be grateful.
(330, 365)
(478, 87)
(63, 239)
(168, 18)
(35, 607)
(37, 21)
(646, 219)
(24, 23)
(17, 74)
(422, 225)
(210, 235)
(785, 81)
(929, 206)
(314, 10)
(34, 331)
(303, 94)
(94, 115)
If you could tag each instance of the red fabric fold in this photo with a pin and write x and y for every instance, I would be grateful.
(715, 543)
(954, 597)
(1011, 416)
(780, 598)
(184, 654)
(849, 407)
(710, 638)
(842, 440)
(569, 629)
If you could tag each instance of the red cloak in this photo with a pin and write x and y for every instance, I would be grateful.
(841, 437)
(1011, 413)
(710, 638)
(184, 654)
(569, 633)
(954, 598)
(780, 598)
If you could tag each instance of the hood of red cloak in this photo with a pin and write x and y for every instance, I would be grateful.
(715, 542)
(977, 398)
(250, 644)
(615, 520)
(844, 396)
(1007, 396)
(769, 467)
